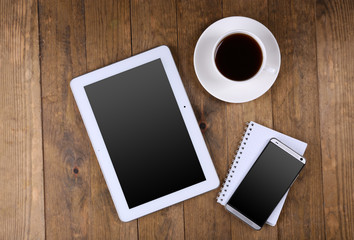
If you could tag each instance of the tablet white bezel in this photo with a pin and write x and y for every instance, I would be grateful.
(77, 86)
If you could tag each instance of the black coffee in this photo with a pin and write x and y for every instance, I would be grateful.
(238, 57)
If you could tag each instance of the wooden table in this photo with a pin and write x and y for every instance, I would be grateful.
(50, 182)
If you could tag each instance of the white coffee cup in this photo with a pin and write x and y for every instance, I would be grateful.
(263, 66)
(228, 89)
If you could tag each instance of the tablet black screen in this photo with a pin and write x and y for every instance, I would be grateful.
(144, 133)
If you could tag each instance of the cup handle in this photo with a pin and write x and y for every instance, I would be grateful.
(270, 70)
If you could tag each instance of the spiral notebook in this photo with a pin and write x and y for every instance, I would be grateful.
(254, 140)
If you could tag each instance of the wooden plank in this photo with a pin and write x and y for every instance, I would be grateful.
(108, 40)
(258, 110)
(21, 159)
(335, 56)
(296, 113)
(67, 150)
(154, 24)
(204, 218)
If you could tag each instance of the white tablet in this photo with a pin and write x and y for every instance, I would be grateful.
(144, 133)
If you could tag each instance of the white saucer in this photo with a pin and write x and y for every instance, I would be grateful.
(225, 89)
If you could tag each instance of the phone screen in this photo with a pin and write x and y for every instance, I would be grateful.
(265, 184)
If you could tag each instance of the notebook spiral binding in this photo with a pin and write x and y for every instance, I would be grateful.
(237, 158)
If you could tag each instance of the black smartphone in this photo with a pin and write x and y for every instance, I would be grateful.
(265, 184)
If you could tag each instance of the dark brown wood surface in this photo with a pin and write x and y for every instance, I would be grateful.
(335, 71)
(51, 185)
(21, 150)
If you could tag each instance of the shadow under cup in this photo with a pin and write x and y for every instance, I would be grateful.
(238, 56)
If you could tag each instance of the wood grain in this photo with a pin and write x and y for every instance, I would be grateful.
(44, 44)
(258, 110)
(67, 150)
(296, 113)
(203, 218)
(108, 40)
(153, 23)
(21, 158)
(335, 56)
